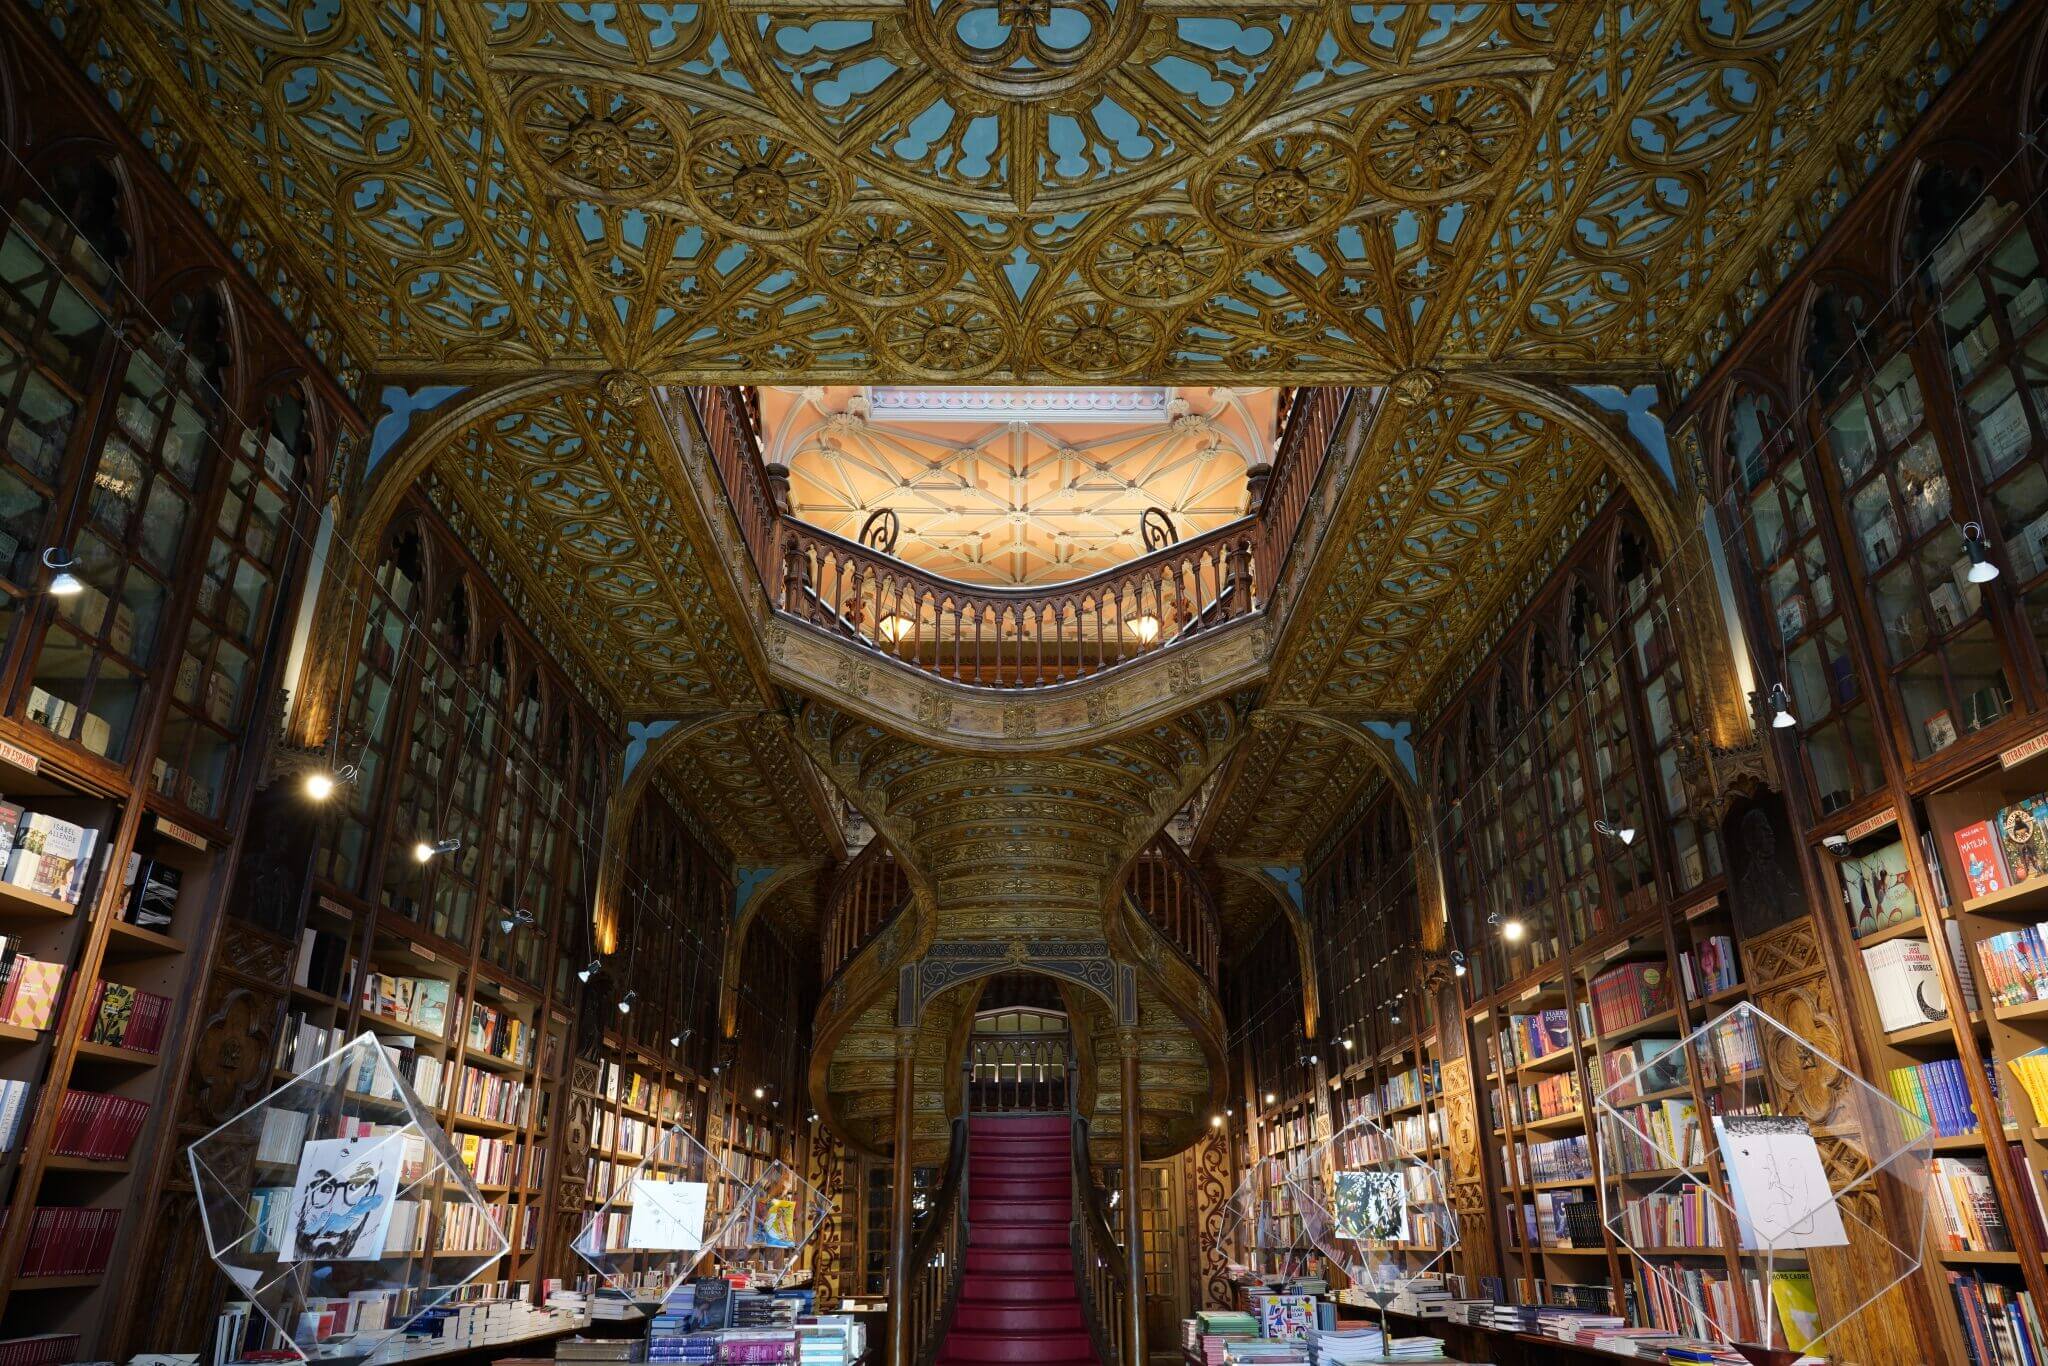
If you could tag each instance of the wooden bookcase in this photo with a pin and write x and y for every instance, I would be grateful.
(169, 449)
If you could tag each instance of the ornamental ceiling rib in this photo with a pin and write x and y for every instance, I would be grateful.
(750, 190)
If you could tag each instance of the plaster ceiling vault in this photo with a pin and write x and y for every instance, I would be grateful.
(986, 496)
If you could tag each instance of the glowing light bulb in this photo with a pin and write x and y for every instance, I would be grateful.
(319, 786)
(1145, 628)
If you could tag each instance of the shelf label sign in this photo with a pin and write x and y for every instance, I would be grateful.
(19, 757)
(1889, 816)
(190, 838)
(2024, 751)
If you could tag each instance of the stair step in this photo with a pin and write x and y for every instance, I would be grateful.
(1019, 1124)
(987, 1213)
(945, 1360)
(1018, 1188)
(1032, 1347)
(1016, 1235)
(1022, 1262)
(984, 1166)
(985, 1289)
(1008, 1318)
(1021, 1147)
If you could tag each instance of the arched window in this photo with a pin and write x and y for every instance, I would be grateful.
(53, 285)
(369, 715)
(1984, 277)
(1943, 661)
(144, 489)
(428, 781)
(1659, 678)
(1772, 489)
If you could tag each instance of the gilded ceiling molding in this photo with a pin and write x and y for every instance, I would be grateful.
(1282, 884)
(955, 716)
(424, 442)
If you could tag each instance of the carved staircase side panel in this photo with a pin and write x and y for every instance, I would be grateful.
(1789, 982)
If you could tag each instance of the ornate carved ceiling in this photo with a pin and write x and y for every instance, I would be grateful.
(966, 188)
(1462, 489)
(1007, 844)
(986, 191)
(992, 495)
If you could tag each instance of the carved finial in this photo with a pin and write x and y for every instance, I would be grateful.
(625, 389)
(1416, 385)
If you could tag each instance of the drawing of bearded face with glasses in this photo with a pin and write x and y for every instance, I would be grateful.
(336, 1210)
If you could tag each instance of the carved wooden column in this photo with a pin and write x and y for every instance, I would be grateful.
(901, 1231)
(1134, 1224)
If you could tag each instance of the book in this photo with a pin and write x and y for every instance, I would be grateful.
(30, 996)
(49, 856)
(1904, 984)
(153, 898)
(1982, 858)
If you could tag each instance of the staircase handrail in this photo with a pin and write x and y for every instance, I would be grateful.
(936, 1256)
(1098, 1257)
(853, 918)
(1191, 924)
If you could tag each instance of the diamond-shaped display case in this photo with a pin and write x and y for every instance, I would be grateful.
(779, 1214)
(662, 1217)
(1378, 1210)
(339, 1209)
(1744, 1155)
(1262, 1241)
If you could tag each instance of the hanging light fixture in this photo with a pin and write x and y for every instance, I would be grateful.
(760, 1092)
(1511, 929)
(894, 628)
(1145, 628)
(626, 1001)
(512, 920)
(1625, 833)
(588, 970)
(1457, 962)
(423, 852)
(1270, 1098)
(1215, 1121)
(676, 1040)
(1982, 570)
(1346, 1041)
(1780, 705)
(60, 563)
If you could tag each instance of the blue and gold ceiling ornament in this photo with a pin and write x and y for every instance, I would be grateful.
(1034, 190)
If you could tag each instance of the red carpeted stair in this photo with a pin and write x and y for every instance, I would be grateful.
(1018, 1301)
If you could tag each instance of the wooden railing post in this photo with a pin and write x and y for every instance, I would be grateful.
(902, 1226)
(1134, 1228)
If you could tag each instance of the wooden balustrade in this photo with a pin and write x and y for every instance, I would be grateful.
(731, 419)
(1099, 1267)
(1168, 888)
(1310, 423)
(1018, 637)
(869, 893)
(936, 1260)
(1017, 1073)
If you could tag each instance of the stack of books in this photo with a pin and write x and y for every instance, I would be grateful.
(1967, 1206)
(28, 996)
(830, 1340)
(69, 1240)
(14, 1098)
(1709, 967)
(93, 1125)
(1213, 1330)
(1630, 993)
(1339, 1346)
(128, 1017)
(599, 1349)
(418, 1002)
(1939, 1092)
(45, 855)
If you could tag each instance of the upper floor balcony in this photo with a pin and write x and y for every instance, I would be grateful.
(1019, 538)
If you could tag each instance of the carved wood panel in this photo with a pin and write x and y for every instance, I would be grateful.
(1789, 978)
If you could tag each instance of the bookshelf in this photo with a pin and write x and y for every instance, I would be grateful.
(167, 453)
